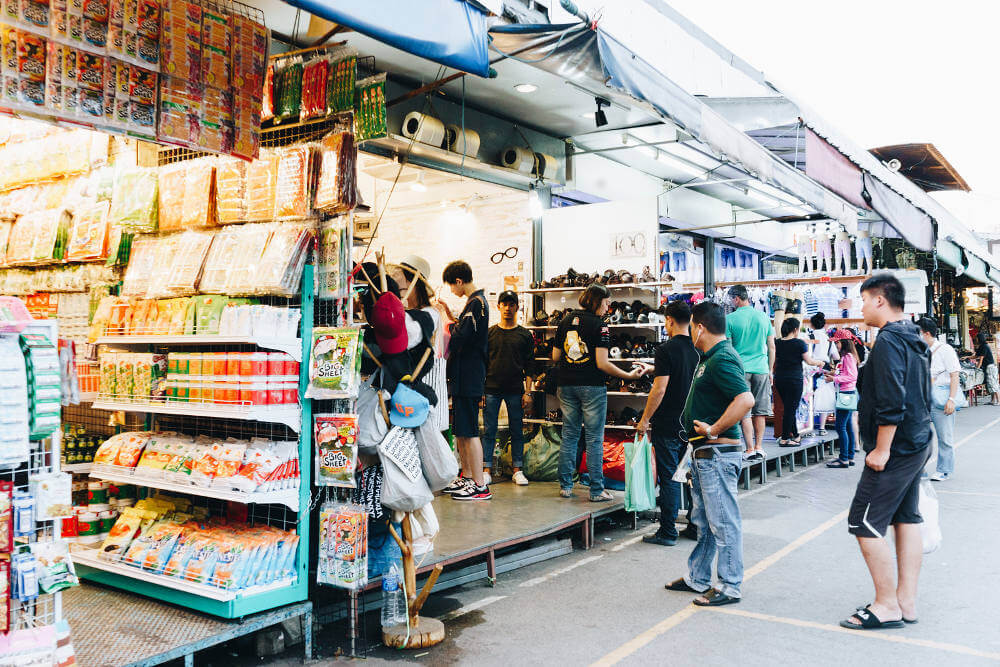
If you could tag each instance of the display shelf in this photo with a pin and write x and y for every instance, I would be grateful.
(638, 394)
(291, 346)
(784, 280)
(617, 286)
(546, 422)
(76, 467)
(289, 415)
(634, 325)
(88, 396)
(287, 497)
(646, 360)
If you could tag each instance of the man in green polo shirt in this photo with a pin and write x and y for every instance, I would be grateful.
(718, 399)
(752, 336)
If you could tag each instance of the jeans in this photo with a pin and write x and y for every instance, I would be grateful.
(515, 417)
(944, 426)
(583, 408)
(845, 434)
(720, 528)
(728, 257)
(668, 450)
(790, 391)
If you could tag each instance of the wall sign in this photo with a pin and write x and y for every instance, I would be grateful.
(628, 244)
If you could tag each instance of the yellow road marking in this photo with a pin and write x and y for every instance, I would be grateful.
(884, 636)
(793, 545)
(972, 435)
(637, 642)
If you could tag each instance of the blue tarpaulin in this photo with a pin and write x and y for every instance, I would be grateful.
(449, 32)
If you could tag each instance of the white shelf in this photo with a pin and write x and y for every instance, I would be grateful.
(289, 415)
(616, 427)
(627, 393)
(292, 346)
(88, 397)
(89, 557)
(636, 325)
(76, 467)
(287, 497)
(547, 290)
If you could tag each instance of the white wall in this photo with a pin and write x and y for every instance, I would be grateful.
(611, 180)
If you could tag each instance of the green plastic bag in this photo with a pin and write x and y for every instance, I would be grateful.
(640, 487)
(541, 455)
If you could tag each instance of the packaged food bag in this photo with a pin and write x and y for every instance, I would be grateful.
(198, 209)
(134, 200)
(336, 188)
(334, 363)
(336, 449)
(89, 237)
(170, 189)
(188, 262)
(231, 189)
(261, 188)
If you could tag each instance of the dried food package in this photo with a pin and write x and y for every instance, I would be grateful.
(181, 104)
(89, 238)
(198, 207)
(147, 28)
(134, 201)
(337, 184)
(276, 269)
(336, 437)
(162, 270)
(219, 260)
(31, 50)
(180, 39)
(70, 90)
(50, 228)
(262, 181)
(294, 176)
(140, 266)
(188, 260)
(246, 125)
(34, 13)
(267, 108)
(8, 40)
(216, 122)
(53, 75)
(250, 246)
(287, 89)
(21, 242)
(342, 75)
(231, 189)
(216, 46)
(142, 87)
(249, 54)
(370, 109)
(314, 80)
(170, 189)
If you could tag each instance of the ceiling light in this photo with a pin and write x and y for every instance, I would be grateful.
(774, 193)
(525, 87)
(675, 162)
(600, 118)
(418, 185)
(534, 204)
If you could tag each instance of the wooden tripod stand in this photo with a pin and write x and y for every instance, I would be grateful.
(420, 631)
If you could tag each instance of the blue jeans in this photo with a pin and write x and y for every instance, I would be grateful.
(845, 434)
(717, 516)
(583, 408)
(944, 426)
(515, 417)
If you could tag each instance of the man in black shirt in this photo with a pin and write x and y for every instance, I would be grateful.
(467, 374)
(895, 427)
(511, 352)
(676, 361)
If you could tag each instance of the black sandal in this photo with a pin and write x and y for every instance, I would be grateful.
(908, 621)
(716, 598)
(681, 585)
(869, 621)
(838, 464)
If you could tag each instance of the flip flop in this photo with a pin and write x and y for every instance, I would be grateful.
(908, 621)
(838, 464)
(682, 586)
(715, 598)
(869, 621)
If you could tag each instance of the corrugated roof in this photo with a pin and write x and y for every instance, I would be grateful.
(924, 165)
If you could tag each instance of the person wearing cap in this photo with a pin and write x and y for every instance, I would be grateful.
(511, 360)
(467, 358)
(845, 375)
(417, 269)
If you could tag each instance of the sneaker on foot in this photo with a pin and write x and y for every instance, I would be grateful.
(473, 492)
(457, 484)
(759, 454)
(487, 478)
(565, 493)
(747, 456)
(939, 477)
(661, 540)
(520, 479)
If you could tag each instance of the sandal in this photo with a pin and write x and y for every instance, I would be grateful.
(908, 621)
(838, 464)
(682, 586)
(604, 497)
(869, 621)
(716, 598)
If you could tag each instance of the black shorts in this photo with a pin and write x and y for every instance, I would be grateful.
(466, 421)
(888, 497)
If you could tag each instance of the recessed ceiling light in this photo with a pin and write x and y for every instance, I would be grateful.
(525, 87)
(418, 185)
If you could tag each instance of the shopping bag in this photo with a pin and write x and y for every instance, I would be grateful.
(403, 487)
(930, 529)
(940, 393)
(640, 486)
(824, 398)
(436, 458)
(372, 427)
(541, 455)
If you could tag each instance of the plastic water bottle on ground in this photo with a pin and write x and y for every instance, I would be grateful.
(393, 601)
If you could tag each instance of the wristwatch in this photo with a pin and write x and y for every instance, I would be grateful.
(708, 434)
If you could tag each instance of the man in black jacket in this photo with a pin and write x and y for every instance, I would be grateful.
(894, 423)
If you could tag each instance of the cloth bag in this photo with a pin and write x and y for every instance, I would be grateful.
(940, 394)
(847, 401)
(930, 529)
(372, 427)
(640, 484)
(403, 486)
(824, 398)
(436, 458)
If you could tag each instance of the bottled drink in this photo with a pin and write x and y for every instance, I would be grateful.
(393, 601)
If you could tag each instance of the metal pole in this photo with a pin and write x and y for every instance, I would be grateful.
(709, 266)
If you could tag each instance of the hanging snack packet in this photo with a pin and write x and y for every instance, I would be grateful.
(370, 111)
(131, 449)
(199, 195)
(89, 238)
(294, 172)
(288, 89)
(336, 449)
(231, 188)
(261, 188)
(336, 187)
(134, 202)
(341, 78)
(314, 79)
(334, 363)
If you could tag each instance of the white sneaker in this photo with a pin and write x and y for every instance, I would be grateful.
(520, 479)
(939, 477)
(487, 478)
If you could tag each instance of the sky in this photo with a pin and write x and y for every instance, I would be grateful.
(884, 72)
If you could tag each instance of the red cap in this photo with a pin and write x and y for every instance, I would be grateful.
(389, 323)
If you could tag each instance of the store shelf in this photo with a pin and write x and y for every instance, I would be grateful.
(88, 397)
(784, 280)
(622, 286)
(287, 497)
(289, 415)
(636, 325)
(546, 422)
(76, 467)
(292, 346)
(89, 558)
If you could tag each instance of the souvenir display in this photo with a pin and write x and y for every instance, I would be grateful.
(334, 363)
(336, 449)
(343, 546)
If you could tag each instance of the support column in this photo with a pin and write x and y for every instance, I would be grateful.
(709, 266)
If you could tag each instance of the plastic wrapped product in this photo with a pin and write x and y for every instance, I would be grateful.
(162, 266)
(249, 54)
(231, 189)
(251, 242)
(134, 201)
(170, 189)
(370, 109)
(262, 180)
(336, 187)
(334, 363)
(219, 261)
(279, 259)
(294, 172)
(180, 39)
(341, 79)
(188, 260)
(229, 464)
(89, 238)
(140, 266)
(267, 107)
(288, 89)
(199, 194)
(217, 38)
(336, 449)
(314, 78)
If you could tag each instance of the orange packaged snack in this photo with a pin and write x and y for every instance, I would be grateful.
(262, 179)
(292, 194)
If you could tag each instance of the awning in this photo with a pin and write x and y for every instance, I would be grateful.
(913, 224)
(976, 269)
(449, 32)
(597, 62)
(949, 253)
(828, 166)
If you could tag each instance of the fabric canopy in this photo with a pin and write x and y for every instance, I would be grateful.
(449, 32)
(913, 224)
(828, 166)
(949, 253)
(976, 269)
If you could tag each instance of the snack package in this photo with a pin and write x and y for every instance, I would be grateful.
(200, 566)
(261, 188)
(162, 542)
(230, 461)
(279, 270)
(54, 566)
(343, 546)
(231, 189)
(134, 202)
(171, 196)
(337, 185)
(249, 54)
(5, 595)
(292, 192)
(334, 363)
(314, 88)
(370, 109)
(198, 207)
(107, 453)
(126, 528)
(336, 449)
(207, 464)
(188, 261)
(89, 238)
(341, 78)
(251, 242)
(131, 449)
(53, 494)
(287, 89)
(217, 38)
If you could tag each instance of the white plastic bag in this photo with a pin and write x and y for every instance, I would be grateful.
(436, 458)
(372, 427)
(403, 484)
(930, 529)
(824, 398)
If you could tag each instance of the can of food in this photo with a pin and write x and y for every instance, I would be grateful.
(233, 360)
(276, 363)
(97, 493)
(194, 391)
(88, 524)
(289, 393)
(291, 367)
(258, 362)
(70, 528)
(258, 392)
(227, 393)
(126, 491)
(273, 392)
(246, 364)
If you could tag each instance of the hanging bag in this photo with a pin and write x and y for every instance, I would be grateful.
(436, 458)
(930, 529)
(640, 485)
(847, 400)
(404, 487)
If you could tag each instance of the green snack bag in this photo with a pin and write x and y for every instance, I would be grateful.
(209, 313)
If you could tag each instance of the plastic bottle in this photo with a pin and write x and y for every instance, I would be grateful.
(393, 602)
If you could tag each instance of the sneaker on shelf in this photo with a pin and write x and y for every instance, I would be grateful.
(939, 477)
(748, 455)
(457, 484)
(520, 479)
(760, 454)
(487, 478)
(473, 492)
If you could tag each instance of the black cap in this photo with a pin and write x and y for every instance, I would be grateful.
(508, 296)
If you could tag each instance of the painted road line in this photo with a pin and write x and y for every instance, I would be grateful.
(793, 545)
(882, 636)
(969, 493)
(972, 435)
(637, 642)
(632, 540)
(472, 606)
(563, 570)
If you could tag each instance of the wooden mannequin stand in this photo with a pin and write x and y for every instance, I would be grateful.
(422, 631)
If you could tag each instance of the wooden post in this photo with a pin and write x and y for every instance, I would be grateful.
(419, 632)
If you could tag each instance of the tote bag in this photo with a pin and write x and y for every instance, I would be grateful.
(640, 485)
